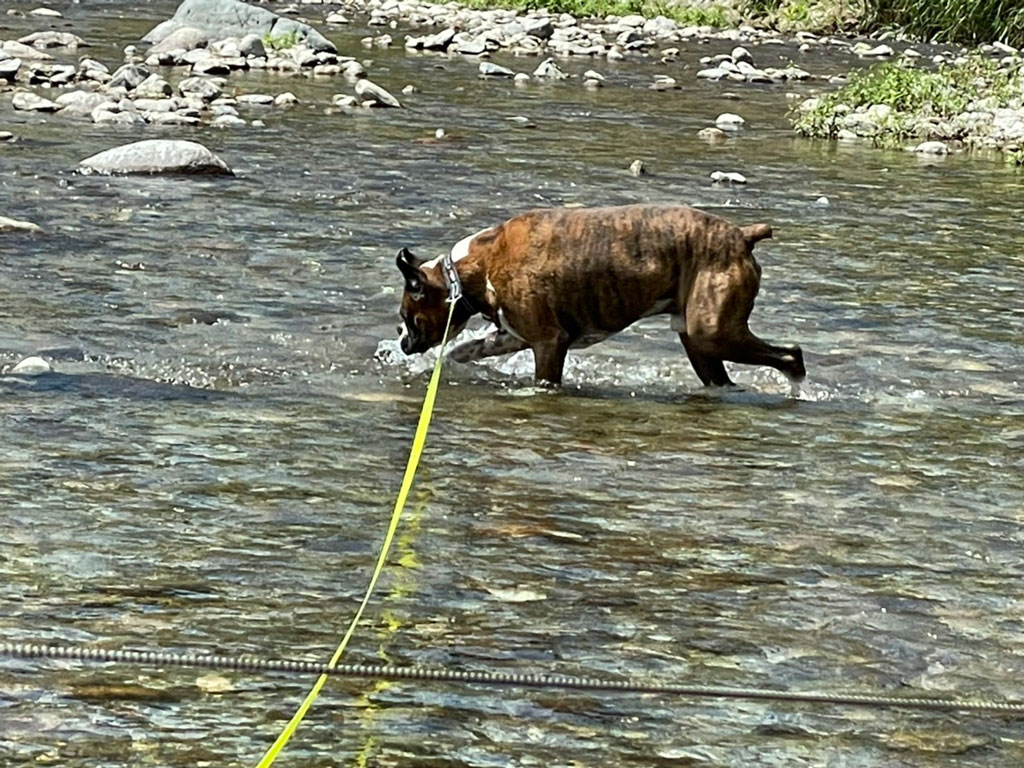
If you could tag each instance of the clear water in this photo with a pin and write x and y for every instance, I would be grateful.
(185, 484)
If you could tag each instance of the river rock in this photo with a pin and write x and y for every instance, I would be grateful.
(129, 76)
(32, 102)
(932, 148)
(728, 177)
(52, 39)
(251, 46)
(739, 54)
(542, 28)
(202, 88)
(712, 73)
(489, 69)
(49, 13)
(228, 121)
(712, 135)
(232, 18)
(256, 99)
(866, 51)
(636, 168)
(111, 114)
(24, 52)
(157, 156)
(9, 68)
(80, 103)
(286, 99)
(184, 38)
(153, 87)
(728, 121)
(16, 225)
(371, 92)
(549, 70)
(33, 365)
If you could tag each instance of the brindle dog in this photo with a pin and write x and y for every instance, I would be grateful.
(557, 279)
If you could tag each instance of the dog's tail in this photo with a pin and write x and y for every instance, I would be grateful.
(756, 232)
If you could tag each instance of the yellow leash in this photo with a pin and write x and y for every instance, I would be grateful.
(410, 472)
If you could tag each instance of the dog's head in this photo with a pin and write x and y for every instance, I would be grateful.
(424, 311)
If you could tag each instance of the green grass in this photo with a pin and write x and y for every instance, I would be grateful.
(280, 42)
(913, 94)
(713, 15)
(961, 21)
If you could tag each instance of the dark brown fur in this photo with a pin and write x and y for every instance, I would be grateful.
(553, 279)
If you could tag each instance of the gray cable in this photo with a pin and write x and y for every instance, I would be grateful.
(389, 672)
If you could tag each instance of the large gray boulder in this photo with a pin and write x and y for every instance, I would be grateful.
(157, 156)
(233, 18)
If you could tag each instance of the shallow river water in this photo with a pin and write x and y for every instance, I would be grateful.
(211, 465)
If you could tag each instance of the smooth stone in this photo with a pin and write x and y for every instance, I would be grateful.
(286, 99)
(183, 38)
(728, 121)
(636, 168)
(80, 103)
(52, 39)
(740, 53)
(153, 87)
(489, 69)
(714, 73)
(932, 148)
(48, 13)
(16, 225)
(370, 91)
(712, 135)
(549, 70)
(9, 68)
(24, 52)
(130, 76)
(200, 87)
(228, 121)
(32, 102)
(256, 99)
(728, 177)
(157, 156)
(31, 366)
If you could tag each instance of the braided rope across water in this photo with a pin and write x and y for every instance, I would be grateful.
(511, 679)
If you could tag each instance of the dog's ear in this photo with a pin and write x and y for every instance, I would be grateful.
(410, 268)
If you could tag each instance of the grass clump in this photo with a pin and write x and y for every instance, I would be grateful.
(280, 42)
(715, 15)
(960, 21)
(893, 102)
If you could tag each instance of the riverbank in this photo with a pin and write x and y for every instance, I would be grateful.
(939, 100)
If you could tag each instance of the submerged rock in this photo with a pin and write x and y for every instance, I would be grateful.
(154, 156)
(728, 121)
(728, 177)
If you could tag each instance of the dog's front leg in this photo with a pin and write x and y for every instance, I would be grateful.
(496, 343)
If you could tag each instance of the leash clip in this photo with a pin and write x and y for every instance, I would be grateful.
(451, 278)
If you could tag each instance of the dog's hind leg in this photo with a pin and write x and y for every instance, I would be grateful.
(496, 343)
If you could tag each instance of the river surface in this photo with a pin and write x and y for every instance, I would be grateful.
(212, 463)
